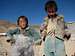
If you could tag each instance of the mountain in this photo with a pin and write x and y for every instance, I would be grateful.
(5, 25)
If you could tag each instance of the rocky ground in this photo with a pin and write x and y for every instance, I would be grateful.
(6, 47)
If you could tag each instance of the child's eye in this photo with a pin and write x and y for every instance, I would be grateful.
(51, 11)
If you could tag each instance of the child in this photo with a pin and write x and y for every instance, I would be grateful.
(53, 31)
(23, 38)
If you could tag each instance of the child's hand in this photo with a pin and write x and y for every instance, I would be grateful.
(43, 26)
(44, 33)
(8, 40)
(52, 33)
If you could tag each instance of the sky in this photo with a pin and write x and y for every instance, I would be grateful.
(10, 10)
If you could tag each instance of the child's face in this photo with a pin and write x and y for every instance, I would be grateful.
(51, 11)
(22, 23)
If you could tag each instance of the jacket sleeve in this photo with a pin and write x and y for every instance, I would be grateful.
(36, 37)
(43, 28)
(64, 27)
(44, 25)
(10, 33)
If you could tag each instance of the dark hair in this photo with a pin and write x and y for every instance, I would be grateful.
(25, 18)
(51, 4)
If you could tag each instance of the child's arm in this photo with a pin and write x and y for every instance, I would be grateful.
(67, 34)
(64, 27)
(36, 36)
(43, 29)
(10, 37)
